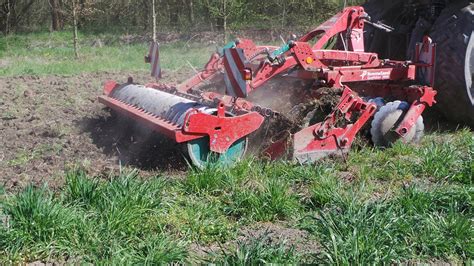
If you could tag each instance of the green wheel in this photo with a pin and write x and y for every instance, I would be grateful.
(201, 155)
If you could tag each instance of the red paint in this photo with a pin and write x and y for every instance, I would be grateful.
(222, 131)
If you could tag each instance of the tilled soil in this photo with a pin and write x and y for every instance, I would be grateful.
(50, 124)
(270, 234)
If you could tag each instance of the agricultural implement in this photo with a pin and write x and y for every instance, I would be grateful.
(377, 96)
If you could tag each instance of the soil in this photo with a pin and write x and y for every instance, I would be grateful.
(49, 124)
(272, 234)
(275, 233)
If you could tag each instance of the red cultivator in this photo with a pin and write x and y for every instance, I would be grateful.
(216, 126)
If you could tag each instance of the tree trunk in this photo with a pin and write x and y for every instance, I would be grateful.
(174, 15)
(17, 16)
(7, 22)
(74, 20)
(191, 12)
(224, 11)
(154, 20)
(168, 12)
(56, 17)
(225, 29)
(283, 16)
(146, 15)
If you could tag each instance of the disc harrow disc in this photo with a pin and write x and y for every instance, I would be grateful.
(387, 119)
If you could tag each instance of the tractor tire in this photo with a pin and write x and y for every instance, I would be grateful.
(453, 34)
(386, 45)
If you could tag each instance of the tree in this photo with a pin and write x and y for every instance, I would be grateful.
(57, 22)
(72, 9)
(223, 10)
(12, 13)
(153, 12)
(75, 19)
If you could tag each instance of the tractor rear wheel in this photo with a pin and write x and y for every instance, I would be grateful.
(453, 33)
(387, 45)
(452, 30)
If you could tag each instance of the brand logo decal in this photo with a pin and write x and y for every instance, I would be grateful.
(366, 75)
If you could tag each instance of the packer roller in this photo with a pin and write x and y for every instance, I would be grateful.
(208, 131)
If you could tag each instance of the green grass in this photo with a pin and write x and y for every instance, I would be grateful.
(441, 157)
(25, 156)
(400, 205)
(417, 224)
(257, 250)
(53, 53)
(89, 221)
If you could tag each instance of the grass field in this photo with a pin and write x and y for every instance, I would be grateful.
(53, 53)
(403, 204)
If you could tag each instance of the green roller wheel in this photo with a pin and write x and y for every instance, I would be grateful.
(201, 155)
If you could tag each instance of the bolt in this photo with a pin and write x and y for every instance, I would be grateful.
(344, 142)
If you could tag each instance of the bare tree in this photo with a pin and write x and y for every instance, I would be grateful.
(223, 10)
(12, 13)
(169, 14)
(7, 22)
(154, 20)
(74, 20)
(57, 22)
(191, 11)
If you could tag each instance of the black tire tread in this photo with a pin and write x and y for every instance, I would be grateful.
(453, 26)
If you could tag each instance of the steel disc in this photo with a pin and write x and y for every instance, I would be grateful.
(387, 119)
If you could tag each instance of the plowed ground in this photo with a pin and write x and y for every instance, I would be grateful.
(49, 124)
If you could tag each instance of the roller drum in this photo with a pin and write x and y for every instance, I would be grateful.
(165, 105)
(174, 108)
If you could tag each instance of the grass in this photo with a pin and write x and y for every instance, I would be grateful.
(418, 224)
(52, 53)
(257, 250)
(417, 213)
(89, 220)
(25, 156)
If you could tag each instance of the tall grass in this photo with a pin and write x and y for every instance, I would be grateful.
(417, 225)
(90, 220)
(256, 251)
(443, 157)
